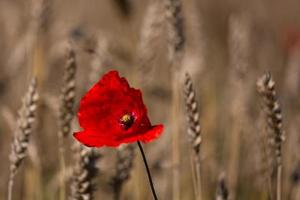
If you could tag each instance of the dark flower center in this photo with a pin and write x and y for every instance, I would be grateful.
(127, 121)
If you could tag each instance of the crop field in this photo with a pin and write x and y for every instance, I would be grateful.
(219, 116)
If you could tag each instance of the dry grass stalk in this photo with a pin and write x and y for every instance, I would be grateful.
(222, 191)
(239, 54)
(176, 42)
(272, 109)
(175, 136)
(66, 110)
(22, 132)
(124, 165)
(84, 173)
(194, 131)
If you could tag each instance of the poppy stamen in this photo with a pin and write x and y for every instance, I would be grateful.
(127, 121)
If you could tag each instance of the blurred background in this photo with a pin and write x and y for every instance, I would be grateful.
(228, 45)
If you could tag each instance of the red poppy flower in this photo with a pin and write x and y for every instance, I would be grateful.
(112, 112)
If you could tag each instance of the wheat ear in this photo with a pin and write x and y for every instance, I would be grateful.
(193, 130)
(68, 94)
(66, 113)
(176, 37)
(150, 33)
(124, 165)
(84, 173)
(22, 133)
(272, 109)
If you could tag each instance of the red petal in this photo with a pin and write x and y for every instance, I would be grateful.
(93, 139)
(113, 80)
(152, 134)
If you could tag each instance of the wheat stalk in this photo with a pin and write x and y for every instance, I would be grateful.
(176, 42)
(84, 173)
(239, 39)
(66, 113)
(272, 109)
(194, 130)
(22, 133)
(124, 165)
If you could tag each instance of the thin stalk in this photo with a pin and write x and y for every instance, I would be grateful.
(175, 137)
(62, 165)
(195, 182)
(198, 177)
(279, 177)
(270, 192)
(10, 188)
(148, 170)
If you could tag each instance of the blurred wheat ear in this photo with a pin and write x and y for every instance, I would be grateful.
(222, 190)
(194, 132)
(125, 7)
(150, 33)
(22, 133)
(84, 172)
(124, 165)
(66, 112)
(175, 31)
(272, 109)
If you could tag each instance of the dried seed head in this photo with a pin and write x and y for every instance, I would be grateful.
(68, 93)
(24, 127)
(124, 166)
(272, 109)
(22, 133)
(176, 37)
(194, 129)
(84, 172)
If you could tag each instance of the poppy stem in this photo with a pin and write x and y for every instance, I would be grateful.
(148, 170)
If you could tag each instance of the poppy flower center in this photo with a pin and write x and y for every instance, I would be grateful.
(127, 121)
